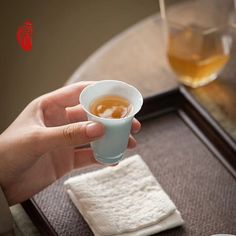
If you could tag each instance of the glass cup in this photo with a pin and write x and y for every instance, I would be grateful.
(199, 42)
(111, 147)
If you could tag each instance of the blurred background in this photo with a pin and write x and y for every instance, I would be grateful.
(65, 33)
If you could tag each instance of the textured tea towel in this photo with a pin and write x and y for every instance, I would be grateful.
(123, 200)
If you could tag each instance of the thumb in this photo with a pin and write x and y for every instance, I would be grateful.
(74, 134)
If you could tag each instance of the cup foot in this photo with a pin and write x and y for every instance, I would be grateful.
(109, 160)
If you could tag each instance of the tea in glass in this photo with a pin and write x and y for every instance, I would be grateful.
(197, 55)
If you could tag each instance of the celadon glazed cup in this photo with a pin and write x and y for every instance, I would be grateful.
(111, 147)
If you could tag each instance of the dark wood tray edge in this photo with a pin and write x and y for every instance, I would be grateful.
(192, 114)
(38, 218)
(219, 129)
(209, 131)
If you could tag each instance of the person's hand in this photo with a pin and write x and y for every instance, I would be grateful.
(42, 144)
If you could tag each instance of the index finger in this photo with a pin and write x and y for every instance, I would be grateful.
(68, 96)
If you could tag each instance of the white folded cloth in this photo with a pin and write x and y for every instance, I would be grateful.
(123, 200)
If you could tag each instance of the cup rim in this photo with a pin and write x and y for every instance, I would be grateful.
(107, 81)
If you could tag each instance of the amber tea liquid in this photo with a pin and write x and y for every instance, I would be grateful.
(197, 57)
(113, 107)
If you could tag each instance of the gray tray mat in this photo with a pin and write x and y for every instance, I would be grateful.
(202, 189)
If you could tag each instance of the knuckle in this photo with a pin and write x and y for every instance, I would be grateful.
(43, 102)
(70, 132)
(38, 102)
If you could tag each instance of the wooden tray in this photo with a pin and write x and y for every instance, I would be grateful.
(190, 155)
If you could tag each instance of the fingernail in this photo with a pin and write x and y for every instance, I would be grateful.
(94, 130)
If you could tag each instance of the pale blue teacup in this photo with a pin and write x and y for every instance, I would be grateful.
(111, 147)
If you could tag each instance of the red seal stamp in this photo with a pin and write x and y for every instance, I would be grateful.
(24, 35)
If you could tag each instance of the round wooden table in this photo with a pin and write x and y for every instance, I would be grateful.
(136, 56)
